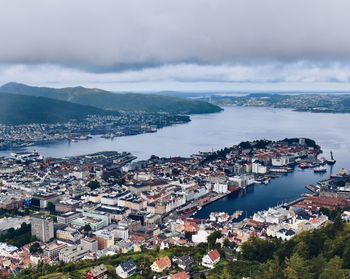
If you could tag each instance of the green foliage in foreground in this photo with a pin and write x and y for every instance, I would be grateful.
(320, 254)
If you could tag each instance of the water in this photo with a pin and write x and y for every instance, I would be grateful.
(235, 124)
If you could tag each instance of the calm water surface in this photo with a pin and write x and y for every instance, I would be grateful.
(235, 124)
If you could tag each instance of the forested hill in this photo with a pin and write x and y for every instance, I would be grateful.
(19, 109)
(115, 101)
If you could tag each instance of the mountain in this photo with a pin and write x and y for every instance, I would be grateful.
(19, 109)
(115, 101)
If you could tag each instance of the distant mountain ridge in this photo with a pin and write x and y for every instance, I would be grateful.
(107, 100)
(20, 109)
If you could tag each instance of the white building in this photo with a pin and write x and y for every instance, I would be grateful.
(272, 215)
(280, 161)
(72, 254)
(200, 236)
(220, 187)
(242, 181)
(258, 168)
(126, 269)
(211, 259)
(122, 231)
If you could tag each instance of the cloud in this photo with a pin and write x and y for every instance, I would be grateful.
(117, 44)
(167, 75)
(117, 35)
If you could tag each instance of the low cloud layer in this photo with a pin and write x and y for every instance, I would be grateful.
(185, 41)
(299, 72)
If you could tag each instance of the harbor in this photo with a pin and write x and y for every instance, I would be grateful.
(208, 132)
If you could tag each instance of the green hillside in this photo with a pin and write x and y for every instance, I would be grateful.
(115, 101)
(19, 109)
(322, 254)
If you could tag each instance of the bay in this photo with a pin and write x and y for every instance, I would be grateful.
(233, 125)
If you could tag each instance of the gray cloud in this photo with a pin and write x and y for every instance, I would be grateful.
(165, 44)
(119, 35)
(297, 72)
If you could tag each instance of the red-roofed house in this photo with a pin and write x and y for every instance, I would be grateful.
(179, 275)
(211, 259)
(97, 272)
(161, 264)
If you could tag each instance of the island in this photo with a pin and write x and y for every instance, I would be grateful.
(311, 102)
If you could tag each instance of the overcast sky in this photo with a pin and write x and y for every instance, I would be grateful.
(176, 45)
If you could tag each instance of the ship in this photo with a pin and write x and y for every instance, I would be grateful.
(304, 166)
(108, 136)
(27, 156)
(190, 211)
(341, 174)
(78, 138)
(331, 161)
(320, 169)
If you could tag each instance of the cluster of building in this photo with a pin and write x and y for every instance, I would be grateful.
(336, 186)
(123, 124)
(300, 102)
(102, 204)
(159, 266)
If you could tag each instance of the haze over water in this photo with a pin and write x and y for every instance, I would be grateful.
(235, 124)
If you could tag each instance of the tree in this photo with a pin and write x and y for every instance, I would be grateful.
(334, 269)
(338, 223)
(245, 145)
(87, 229)
(188, 235)
(271, 269)
(212, 238)
(35, 248)
(297, 268)
(226, 243)
(225, 274)
(257, 249)
(346, 255)
(317, 264)
(50, 207)
(94, 184)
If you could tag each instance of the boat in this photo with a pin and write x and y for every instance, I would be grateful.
(266, 181)
(323, 160)
(190, 211)
(320, 169)
(108, 136)
(341, 174)
(331, 161)
(78, 138)
(304, 166)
